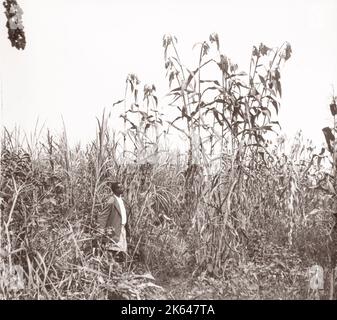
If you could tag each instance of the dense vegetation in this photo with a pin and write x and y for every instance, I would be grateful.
(236, 216)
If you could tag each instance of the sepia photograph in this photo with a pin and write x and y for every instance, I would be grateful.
(168, 150)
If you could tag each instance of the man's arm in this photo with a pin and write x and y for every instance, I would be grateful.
(128, 215)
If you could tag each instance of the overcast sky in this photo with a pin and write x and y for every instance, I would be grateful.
(79, 53)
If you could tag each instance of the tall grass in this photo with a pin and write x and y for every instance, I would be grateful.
(235, 213)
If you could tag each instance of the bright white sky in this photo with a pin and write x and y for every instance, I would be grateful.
(79, 53)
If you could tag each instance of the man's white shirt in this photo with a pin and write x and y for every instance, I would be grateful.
(122, 209)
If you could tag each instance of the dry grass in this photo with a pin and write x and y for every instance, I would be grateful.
(276, 227)
(247, 224)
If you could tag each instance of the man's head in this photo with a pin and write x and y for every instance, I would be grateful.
(117, 188)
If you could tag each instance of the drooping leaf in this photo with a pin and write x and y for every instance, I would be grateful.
(262, 79)
(274, 103)
(287, 53)
(277, 75)
(268, 128)
(171, 77)
(190, 77)
(184, 113)
(277, 123)
(255, 52)
(156, 100)
(240, 84)
(241, 74)
(118, 102)
(213, 81)
(133, 126)
(204, 49)
(333, 108)
(329, 137)
(266, 112)
(216, 115)
(278, 87)
(259, 137)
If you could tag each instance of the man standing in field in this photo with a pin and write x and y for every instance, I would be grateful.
(112, 220)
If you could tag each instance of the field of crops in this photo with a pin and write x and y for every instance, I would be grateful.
(238, 213)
